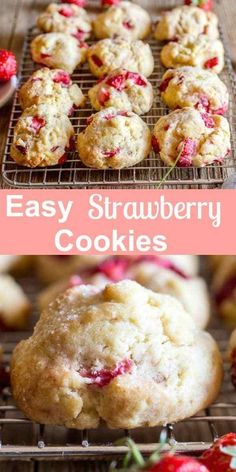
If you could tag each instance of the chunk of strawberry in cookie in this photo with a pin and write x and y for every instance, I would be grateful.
(189, 147)
(136, 78)
(211, 63)
(164, 84)
(103, 96)
(208, 120)
(80, 34)
(155, 145)
(37, 123)
(63, 78)
(97, 61)
(102, 377)
(128, 25)
(114, 268)
(66, 11)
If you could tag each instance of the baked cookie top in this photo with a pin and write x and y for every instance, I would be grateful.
(190, 138)
(194, 87)
(53, 87)
(58, 51)
(114, 139)
(65, 18)
(187, 51)
(109, 54)
(42, 137)
(123, 90)
(186, 20)
(126, 20)
(123, 355)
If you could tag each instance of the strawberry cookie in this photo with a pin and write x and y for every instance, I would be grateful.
(123, 90)
(114, 139)
(205, 53)
(186, 20)
(54, 87)
(50, 269)
(58, 50)
(148, 366)
(194, 87)
(163, 276)
(42, 137)
(126, 20)
(14, 305)
(224, 289)
(109, 54)
(190, 138)
(64, 18)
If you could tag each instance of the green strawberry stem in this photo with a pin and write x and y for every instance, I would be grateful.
(230, 451)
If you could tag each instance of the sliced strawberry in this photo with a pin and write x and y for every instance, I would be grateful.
(164, 84)
(66, 11)
(101, 378)
(103, 96)
(188, 151)
(96, 60)
(37, 123)
(62, 77)
(214, 61)
(117, 81)
(208, 120)
(155, 144)
(8, 65)
(128, 24)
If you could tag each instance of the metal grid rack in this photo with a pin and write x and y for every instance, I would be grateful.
(148, 173)
(20, 438)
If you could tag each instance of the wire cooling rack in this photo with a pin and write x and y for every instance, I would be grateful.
(148, 173)
(21, 438)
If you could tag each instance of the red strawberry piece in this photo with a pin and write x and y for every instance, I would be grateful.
(4, 378)
(170, 463)
(214, 61)
(22, 149)
(206, 5)
(137, 79)
(111, 153)
(96, 60)
(109, 2)
(103, 96)
(45, 56)
(164, 84)
(215, 459)
(114, 268)
(37, 123)
(80, 35)
(155, 144)
(188, 151)
(117, 81)
(66, 11)
(62, 78)
(110, 116)
(233, 367)
(8, 65)
(128, 24)
(83, 45)
(221, 111)
(75, 281)
(102, 377)
(203, 102)
(79, 3)
(208, 120)
(63, 158)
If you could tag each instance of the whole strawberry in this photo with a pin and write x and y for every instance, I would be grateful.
(221, 457)
(8, 65)
(170, 463)
(206, 5)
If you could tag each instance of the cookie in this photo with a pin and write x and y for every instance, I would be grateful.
(149, 365)
(152, 273)
(188, 266)
(194, 87)
(64, 18)
(50, 269)
(224, 289)
(114, 139)
(123, 90)
(186, 20)
(190, 138)
(187, 51)
(58, 51)
(14, 305)
(109, 54)
(54, 87)
(126, 20)
(42, 137)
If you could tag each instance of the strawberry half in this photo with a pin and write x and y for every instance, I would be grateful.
(206, 5)
(221, 457)
(8, 65)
